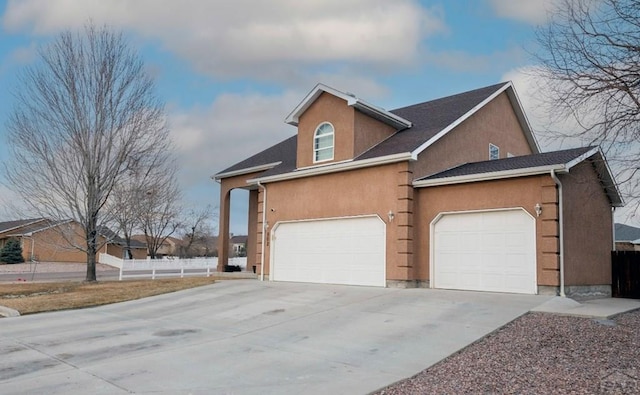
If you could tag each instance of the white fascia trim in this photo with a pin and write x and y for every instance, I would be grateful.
(246, 170)
(334, 168)
(522, 117)
(496, 175)
(352, 101)
(293, 117)
(399, 122)
(582, 158)
(609, 177)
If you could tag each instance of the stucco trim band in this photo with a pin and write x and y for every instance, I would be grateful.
(334, 168)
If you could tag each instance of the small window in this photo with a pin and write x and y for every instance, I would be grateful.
(494, 152)
(323, 143)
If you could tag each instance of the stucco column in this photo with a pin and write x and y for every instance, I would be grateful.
(223, 233)
(252, 230)
(404, 223)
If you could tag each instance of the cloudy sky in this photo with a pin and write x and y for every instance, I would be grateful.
(230, 71)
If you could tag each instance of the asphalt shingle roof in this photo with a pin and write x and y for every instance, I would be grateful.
(285, 152)
(626, 233)
(428, 119)
(8, 225)
(515, 163)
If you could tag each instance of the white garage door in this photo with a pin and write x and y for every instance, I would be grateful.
(336, 251)
(485, 251)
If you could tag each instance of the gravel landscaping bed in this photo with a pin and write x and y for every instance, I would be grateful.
(540, 353)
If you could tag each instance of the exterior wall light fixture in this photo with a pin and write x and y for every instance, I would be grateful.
(391, 215)
(538, 209)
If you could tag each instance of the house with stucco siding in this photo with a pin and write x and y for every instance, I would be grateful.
(451, 193)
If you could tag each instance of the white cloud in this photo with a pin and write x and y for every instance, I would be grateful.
(267, 39)
(534, 12)
(552, 130)
(466, 62)
(231, 129)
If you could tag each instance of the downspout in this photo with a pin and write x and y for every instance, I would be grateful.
(560, 230)
(613, 227)
(264, 229)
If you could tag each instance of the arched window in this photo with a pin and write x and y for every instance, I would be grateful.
(323, 143)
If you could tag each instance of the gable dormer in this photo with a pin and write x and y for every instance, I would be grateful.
(334, 127)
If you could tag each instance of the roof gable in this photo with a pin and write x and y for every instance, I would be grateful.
(373, 111)
(433, 119)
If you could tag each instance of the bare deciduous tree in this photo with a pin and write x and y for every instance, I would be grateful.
(590, 56)
(84, 116)
(196, 230)
(159, 212)
(129, 200)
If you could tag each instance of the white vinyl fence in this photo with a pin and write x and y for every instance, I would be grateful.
(167, 267)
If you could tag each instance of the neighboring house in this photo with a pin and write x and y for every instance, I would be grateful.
(53, 241)
(238, 245)
(627, 238)
(451, 193)
(169, 247)
(117, 246)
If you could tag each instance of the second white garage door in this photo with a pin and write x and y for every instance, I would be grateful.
(334, 251)
(485, 251)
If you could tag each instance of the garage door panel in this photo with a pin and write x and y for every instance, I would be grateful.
(336, 251)
(485, 251)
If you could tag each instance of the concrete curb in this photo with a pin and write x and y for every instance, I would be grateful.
(594, 308)
(7, 312)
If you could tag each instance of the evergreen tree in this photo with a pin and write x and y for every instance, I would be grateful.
(11, 252)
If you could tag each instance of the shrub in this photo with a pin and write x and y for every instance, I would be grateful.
(11, 252)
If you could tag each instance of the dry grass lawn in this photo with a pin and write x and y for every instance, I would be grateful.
(40, 297)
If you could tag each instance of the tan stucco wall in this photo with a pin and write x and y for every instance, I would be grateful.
(368, 132)
(495, 123)
(354, 132)
(332, 109)
(522, 192)
(348, 193)
(588, 239)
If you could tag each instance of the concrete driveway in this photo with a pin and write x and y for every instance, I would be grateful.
(248, 337)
